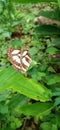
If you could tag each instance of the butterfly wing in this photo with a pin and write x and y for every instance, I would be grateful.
(14, 57)
(26, 60)
(20, 59)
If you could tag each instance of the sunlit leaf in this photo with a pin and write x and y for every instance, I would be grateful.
(9, 78)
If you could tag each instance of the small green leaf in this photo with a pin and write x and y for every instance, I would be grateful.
(46, 126)
(6, 34)
(2, 98)
(51, 69)
(18, 122)
(58, 3)
(54, 127)
(57, 101)
(53, 79)
(33, 50)
(52, 50)
(56, 42)
(3, 109)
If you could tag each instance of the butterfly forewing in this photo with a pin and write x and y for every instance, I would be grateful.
(20, 59)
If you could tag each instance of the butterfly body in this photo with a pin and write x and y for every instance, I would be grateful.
(20, 59)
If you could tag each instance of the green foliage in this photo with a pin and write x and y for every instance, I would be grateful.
(1, 7)
(34, 94)
(35, 91)
(51, 121)
(46, 29)
(58, 3)
(52, 14)
(57, 94)
(8, 104)
(36, 109)
(53, 79)
(49, 126)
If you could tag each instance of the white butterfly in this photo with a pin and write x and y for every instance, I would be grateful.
(20, 59)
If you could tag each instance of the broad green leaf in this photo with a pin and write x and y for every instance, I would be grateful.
(36, 109)
(10, 78)
(47, 30)
(53, 15)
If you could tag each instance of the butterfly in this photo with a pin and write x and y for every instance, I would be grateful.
(20, 59)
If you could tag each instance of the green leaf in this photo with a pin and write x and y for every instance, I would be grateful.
(2, 98)
(6, 34)
(33, 50)
(46, 30)
(17, 100)
(54, 127)
(1, 30)
(10, 78)
(56, 42)
(17, 43)
(50, 69)
(18, 122)
(49, 126)
(53, 15)
(46, 126)
(53, 79)
(56, 93)
(38, 75)
(1, 7)
(36, 109)
(13, 125)
(52, 50)
(58, 3)
(3, 109)
(57, 101)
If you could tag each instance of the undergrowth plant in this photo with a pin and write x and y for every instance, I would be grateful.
(35, 95)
